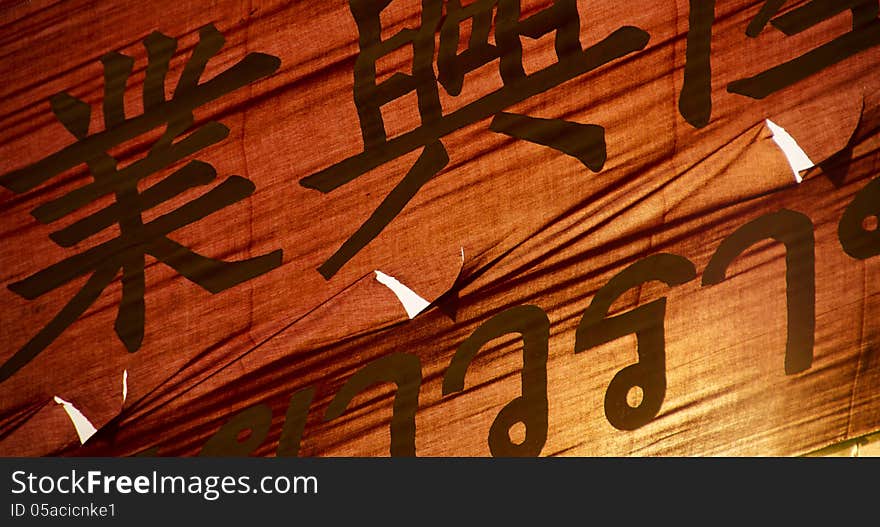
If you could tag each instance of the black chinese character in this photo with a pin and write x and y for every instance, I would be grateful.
(865, 34)
(695, 102)
(585, 142)
(126, 252)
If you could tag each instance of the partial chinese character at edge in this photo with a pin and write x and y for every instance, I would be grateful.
(695, 101)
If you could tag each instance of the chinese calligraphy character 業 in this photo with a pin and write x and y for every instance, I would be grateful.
(136, 239)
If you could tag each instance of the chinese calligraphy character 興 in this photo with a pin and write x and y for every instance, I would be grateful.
(126, 253)
(584, 142)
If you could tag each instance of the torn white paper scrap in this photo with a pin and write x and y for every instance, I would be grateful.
(84, 427)
(412, 303)
(797, 158)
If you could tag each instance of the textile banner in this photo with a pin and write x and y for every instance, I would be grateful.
(438, 227)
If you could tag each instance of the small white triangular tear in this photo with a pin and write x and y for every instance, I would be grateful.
(124, 385)
(797, 158)
(412, 303)
(84, 427)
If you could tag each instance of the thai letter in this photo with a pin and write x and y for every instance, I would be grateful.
(795, 230)
(403, 369)
(857, 240)
(225, 443)
(294, 423)
(530, 408)
(647, 323)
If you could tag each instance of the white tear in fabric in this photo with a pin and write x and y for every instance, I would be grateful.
(84, 427)
(124, 385)
(412, 303)
(797, 158)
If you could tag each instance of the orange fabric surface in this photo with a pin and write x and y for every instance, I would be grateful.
(505, 223)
